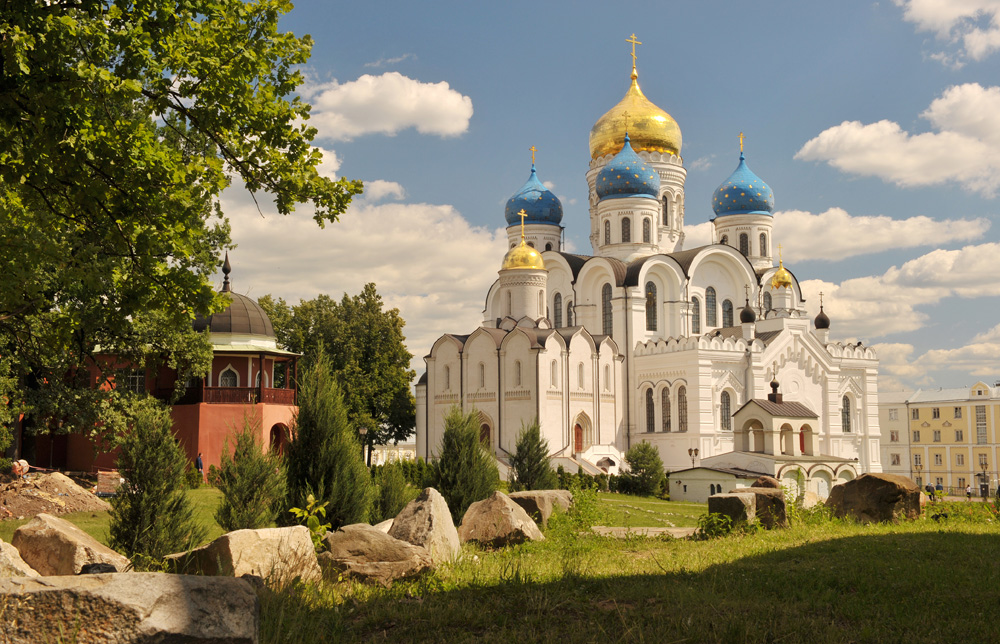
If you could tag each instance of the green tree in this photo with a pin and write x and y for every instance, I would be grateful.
(251, 482)
(530, 468)
(151, 515)
(324, 456)
(646, 468)
(367, 352)
(393, 492)
(466, 472)
(120, 125)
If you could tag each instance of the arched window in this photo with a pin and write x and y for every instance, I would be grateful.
(726, 413)
(229, 378)
(767, 302)
(554, 374)
(606, 320)
(666, 211)
(626, 230)
(650, 306)
(650, 412)
(482, 375)
(557, 307)
(569, 313)
(646, 231)
(763, 244)
(508, 303)
(607, 377)
(682, 409)
(447, 378)
(665, 408)
(548, 246)
(541, 304)
(724, 240)
(695, 316)
(579, 375)
(711, 312)
(607, 232)
(517, 373)
(727, 313)
(845, 415)
(744, 243)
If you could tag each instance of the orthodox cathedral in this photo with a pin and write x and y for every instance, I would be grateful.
(708, 353)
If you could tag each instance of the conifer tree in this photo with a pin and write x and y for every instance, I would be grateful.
(529, 464)
(151, 515)
(324, 456)
(393, 492)
(251, 482)
(466, 471)
(646, 468)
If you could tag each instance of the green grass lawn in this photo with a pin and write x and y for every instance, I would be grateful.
(647, 512)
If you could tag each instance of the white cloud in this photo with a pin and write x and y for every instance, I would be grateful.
(971, 25)
(382, 62)
(330, 164)
(380, 189)
(806, 235)
(698, 234)
(425, 259)
(701, 163)
(386, 104)
(965, 149)
(978, 357)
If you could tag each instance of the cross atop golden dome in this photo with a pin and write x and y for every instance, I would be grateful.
(522, 256)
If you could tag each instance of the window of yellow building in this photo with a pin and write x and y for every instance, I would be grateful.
(959, 435)
(894, 436)
(937, 459)
(937, 435)
(958, 412)
(916, 435)
(915, 414)
(936, 412)
(960, 459)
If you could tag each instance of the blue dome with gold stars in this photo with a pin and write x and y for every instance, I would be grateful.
(626, 175)
(743, 193)
(537, 201)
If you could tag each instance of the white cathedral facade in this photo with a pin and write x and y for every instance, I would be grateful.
(648, 341)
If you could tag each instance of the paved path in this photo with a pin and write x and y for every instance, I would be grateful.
(621, 533)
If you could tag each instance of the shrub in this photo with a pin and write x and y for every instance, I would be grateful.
(530, 468)
(713, 525)
(251, 483)
(417, 472)
(646, 469)
(393, 492)
(192, 477)
(151, 515)
(324, 455)
(213, 476)
(466, 471)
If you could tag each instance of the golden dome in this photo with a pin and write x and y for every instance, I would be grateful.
(781, 278)
(524, 257)
(650, 128)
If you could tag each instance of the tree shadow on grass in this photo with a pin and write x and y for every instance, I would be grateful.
(914, 587)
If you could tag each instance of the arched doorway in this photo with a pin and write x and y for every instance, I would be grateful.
(278, 438)
(577, 439)
(484, 434)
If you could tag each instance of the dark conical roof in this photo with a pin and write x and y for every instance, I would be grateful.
(242, 316)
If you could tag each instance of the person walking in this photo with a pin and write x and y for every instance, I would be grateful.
(968, 492)
(200, 466)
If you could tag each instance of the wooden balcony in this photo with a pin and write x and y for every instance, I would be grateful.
(230, 396)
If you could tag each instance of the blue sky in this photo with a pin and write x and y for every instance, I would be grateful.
(877, 125)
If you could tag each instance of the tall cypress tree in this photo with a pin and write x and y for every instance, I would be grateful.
(466, 471)
(529, 464)
(324, 457)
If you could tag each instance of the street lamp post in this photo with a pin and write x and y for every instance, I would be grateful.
(363, 431)
(983, 489)
(918, 467)
(693, 453)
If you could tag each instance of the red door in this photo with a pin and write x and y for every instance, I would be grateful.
(802, 442)
(578, 439)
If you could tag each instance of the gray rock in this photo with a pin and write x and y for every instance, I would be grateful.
(741, 508)
(426, 522)
(876, 498)
(769, 505)
(278, 555)
(54, 546)
(11, 563)
(129, 608)
(385, 526)
(539, 504)
(364, 552)
(767, 482)
(497, 522)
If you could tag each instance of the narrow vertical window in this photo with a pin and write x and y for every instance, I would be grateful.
(482, 375)
(845, 415)
(666, 211)
(548, 246)
(607, 232)
(650, 412)
(557, 307)
(447, 378)
(626, 230)
(606, 319)
(682, 409)
(508, 303)
(650, 306)
(727, 313)
(711, 313)
(726, 413)
(607, 378)
(665, 408)
(579, 375)
(646, 231)
(763, 245)
(517, 373)
(554, 374)
(724, 240)
(695, 316)
(744, 244)
(541, 304)
(767, 302)
(569, 313)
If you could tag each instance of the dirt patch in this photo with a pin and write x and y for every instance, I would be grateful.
(53, 493)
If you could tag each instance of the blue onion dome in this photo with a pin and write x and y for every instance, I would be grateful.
(626, 175)
(743, 193)
(537, 201)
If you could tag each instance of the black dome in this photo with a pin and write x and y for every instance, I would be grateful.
(822, 321)
(242, 316)
(747, 315)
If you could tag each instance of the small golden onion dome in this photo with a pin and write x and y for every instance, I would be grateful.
(649, 128)
(781, 278)
(523, 256)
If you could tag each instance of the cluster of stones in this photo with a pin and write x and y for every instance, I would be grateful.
(55, 578)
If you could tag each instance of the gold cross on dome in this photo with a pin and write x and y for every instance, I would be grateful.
(779, 253)
(626, 115)
(533, 150)
(634, 43)
(821, 299)
(741, 142)
(746, 289)
(522, 215)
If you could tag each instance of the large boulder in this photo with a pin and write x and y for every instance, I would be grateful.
(539, 504)
(426, 522)
(54, 546)
(129, 609)
(277, 555)
(364, 552)
(767, 482)
(769, 505)
(497, 522)
(740, 507)
(11, 564)
(876, 498)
